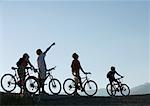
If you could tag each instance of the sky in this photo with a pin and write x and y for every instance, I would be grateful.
(103, 34)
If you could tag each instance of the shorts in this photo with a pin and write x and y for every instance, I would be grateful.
(21, 73)
(42, 73)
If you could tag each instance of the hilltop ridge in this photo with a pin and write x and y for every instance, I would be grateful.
(141, 89)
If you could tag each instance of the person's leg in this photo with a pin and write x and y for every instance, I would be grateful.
(115, 80)
(43, 85)
(76, 81)
(111, 83)
(118, 87)
(40, 80)
(20, 74)
(23, 81)
(43, 77)
(79, 78)
(76, 85)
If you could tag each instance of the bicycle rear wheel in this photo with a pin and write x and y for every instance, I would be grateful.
(90, 88)
(32, 84)
(69, 86)
(55, 86)
(111, 90)
(125, 90)
(8, 82)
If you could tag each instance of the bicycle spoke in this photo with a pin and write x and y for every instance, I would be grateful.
(90, 88)
(69, 86)
(111, 90)
(8, 82)
(125, 90)
(55, 86)
(32, 85)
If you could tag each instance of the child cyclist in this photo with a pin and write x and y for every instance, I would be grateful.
(42, 65)
(22, 64)
(111, 75)
(76, 67)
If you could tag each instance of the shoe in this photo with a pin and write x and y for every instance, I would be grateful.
(76, 94)
(21, 95)
(43, 92)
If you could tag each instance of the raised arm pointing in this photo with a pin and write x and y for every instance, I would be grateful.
(49, 48)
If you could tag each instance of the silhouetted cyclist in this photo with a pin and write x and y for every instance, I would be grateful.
(75, 70)
(42, 65)
(22, 64)
(111, 75)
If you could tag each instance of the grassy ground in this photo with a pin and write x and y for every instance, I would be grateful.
(7, 99)
(15, 99)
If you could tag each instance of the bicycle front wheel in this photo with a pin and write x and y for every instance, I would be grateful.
(125, 90)
(55, 86)
(69, 86)
(32, 84)
(111, 90)
(8, 82)
(90, 88)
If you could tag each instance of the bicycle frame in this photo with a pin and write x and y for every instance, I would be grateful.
(10, 81)
(118, 85)
(71, 85)
(36, 83)
(85, 79)
(16, 73)
(48, 74)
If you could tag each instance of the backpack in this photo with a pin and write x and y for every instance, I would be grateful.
(109, 74)
(19, 62)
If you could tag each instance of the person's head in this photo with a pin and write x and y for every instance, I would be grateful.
(112, 68)
(25, 56)
(75, 56)
(38, 51)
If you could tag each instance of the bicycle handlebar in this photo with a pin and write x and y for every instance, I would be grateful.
(14, 68)
(120, 78)
(87, 73)
(53, 68)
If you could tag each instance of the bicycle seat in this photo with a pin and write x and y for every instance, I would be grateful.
(28, 68)
(14, 68)
(119, 78)
(88, 73)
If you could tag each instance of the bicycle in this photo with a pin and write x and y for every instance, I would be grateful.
(90, 87)
(122, 88)
(9, 81)
(33, 84)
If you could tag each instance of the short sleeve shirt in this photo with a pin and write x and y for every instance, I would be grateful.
(41, 62)
(75, 66)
